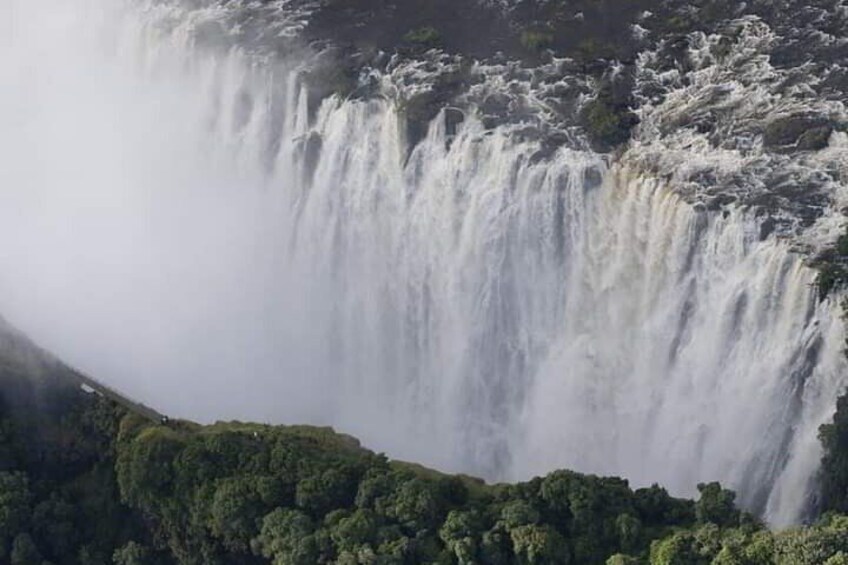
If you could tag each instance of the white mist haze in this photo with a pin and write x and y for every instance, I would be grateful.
(128, 246)
(175, 223)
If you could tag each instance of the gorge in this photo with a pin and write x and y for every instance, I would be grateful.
(438, 253)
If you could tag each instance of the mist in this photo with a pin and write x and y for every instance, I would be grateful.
(131, 247)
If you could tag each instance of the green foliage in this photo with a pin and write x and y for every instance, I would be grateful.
(833, 267)
(830, 276)
(288, 538)
(24, 551)
(826, 542)
(247, 494)
(15, 500)
(622, 559)
(716, 506)
(537, 40)
(58, 495)
(607, 122)
(811, 546)
(534, 544)
(519, 513)
(629, 531)
(424, 37)
(460, 534)
(591, 49)
(236, 507)
(318, 494)
(833, 474)
(53, 522)
(133, 554)
(301, 495)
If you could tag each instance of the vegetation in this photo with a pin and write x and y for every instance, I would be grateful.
(834, 471)
(90, 483)
(59, 498)
(86, 481)
(609, 124)
(832, 265)
(537, 40)
(234, 492)
(427, 36)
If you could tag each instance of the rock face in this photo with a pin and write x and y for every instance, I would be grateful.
(798, 132)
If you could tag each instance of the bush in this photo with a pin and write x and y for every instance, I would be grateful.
(424, 37)
(833, 475)
(716, 506)
(608, 124)
(537, 40)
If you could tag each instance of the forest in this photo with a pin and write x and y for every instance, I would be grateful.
(84, 480)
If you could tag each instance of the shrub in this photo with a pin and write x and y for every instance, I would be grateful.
(424, 37)
(536, 40)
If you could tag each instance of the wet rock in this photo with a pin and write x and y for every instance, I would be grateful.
(592, 178)
(767, 228)
(311, 149)
(815, 138)
(496, 104)
(453, 119)
(419, 110)
(801, 131)
(719, 202)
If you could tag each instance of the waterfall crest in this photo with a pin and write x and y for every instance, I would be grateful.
(183, 222)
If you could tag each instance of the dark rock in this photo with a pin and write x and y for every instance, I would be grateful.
(311, 153)
(767, 228)
(453, 119)
(592, 178)
(719, 202)
(815, 138)
(496, 104)
(801, 131)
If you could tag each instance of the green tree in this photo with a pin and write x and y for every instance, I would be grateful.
(53, 524)
(681, 548)
(629, 531)
(838, 559)
(496, 546)
(538, 545)
(460, 533)
(133, 554)
(236, 508)
(325, 491)
(808, 546)
(415, 505)
(834, 468)
(519, 513)
(15, 500)
(24, 551)
(353, 531)
(716, 505)
(622, 559)
(287, 537)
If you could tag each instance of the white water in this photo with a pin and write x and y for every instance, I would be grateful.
(169, 224)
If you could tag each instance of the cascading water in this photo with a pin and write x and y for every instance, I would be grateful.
(181, 222)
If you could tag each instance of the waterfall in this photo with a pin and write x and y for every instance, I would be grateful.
(188, 225)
